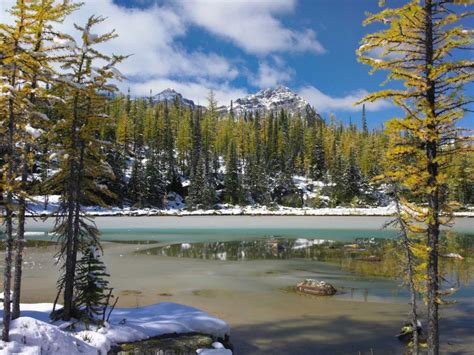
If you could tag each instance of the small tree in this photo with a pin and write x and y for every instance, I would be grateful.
(91, 286)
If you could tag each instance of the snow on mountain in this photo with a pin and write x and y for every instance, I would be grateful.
(266, 100)
(170, 96)
(271, 99)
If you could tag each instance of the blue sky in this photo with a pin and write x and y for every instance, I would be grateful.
(236, 47)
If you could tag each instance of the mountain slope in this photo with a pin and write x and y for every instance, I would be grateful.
(269, 100)
(170, 96)
(266, 100)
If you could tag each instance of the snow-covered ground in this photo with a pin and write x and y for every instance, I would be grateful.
(36, 208)
(33, 332)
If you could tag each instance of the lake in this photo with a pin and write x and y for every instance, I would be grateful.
(242, 269)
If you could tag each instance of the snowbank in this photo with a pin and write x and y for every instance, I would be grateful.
(33, 334)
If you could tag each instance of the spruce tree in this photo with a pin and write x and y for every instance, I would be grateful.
(352, 179)
(365, 128)
(231, 179)
(136, 184)
(318, 161)
(155, 184)
(91, 285)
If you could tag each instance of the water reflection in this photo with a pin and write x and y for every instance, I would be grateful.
(374, 257)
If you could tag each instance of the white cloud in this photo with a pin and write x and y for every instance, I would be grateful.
(271, 74)
(197, 91)
(150, 35)
(325, 103)
(252, 25)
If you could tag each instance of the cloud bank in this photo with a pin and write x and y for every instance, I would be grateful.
(152, 35)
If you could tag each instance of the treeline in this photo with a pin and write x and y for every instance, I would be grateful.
(158, 149)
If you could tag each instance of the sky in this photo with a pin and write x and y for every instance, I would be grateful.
(237, 47)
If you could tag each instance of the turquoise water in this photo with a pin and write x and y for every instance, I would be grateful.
(243, 270)
(221, 234)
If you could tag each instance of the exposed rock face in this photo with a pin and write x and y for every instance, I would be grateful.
(264, 101)
(314, 287)
(269, 100)
(170, 96)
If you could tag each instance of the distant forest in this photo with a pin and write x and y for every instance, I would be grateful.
(157, 151)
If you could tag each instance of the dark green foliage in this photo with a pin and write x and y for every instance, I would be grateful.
(231, 179)
(91, 285)
(137, 183)
(352, 179)
(318, 160)
(155, 184)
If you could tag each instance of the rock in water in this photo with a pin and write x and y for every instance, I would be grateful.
(314, 287)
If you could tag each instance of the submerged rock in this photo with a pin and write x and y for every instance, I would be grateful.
(314, 287)
(172, 344)
(406, 334)
(370, 258)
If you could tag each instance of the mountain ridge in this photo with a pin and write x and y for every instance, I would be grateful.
(263, 101)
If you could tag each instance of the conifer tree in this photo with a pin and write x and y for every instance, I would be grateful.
(136, 184)
(155, 185)
(82, 165)
(27, 52)
(318, 162)
(352, 179)
(365, 128)
(417, 46)
(231, 179)
(91, 285)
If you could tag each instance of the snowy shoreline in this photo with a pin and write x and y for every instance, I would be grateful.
(33, 332)
(235, 211)
(36, 209)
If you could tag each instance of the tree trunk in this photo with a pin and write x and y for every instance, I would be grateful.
(8, 267)
(73, 202)
(410, 271)
(20, 239)
(70, 263)
(7, 274)
(433, 192)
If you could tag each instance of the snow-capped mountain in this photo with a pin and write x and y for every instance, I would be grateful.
(271, 99)
(170, 96)
(266, 100)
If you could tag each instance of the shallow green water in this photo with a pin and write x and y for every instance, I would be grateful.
(244, 272)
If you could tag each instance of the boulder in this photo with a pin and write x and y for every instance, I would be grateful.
(314, 287)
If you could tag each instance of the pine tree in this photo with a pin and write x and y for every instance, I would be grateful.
(352, 179)
(136, 184)
(155, 184)
(91, 285)
(83, 165)
(317, 168)
(464, 180)
(231, 179)
(338, 188)
(124, 132)
(256, 182)
(417, 47)
(365, 128)
(168, 142)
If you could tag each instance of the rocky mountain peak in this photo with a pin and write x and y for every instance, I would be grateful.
(170, 96)
(270, 99)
